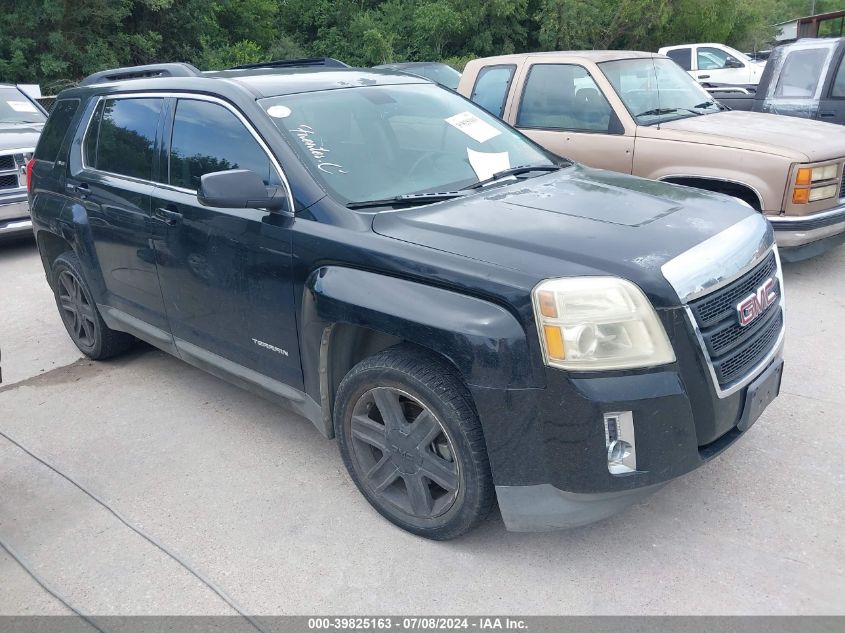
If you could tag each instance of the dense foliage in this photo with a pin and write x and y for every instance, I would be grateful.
(55, 42)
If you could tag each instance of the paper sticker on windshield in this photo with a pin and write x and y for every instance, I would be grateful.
(486, 164)
(279, 111)
(473, 127)
(22, 106)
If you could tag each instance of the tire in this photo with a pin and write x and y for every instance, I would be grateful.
(79, 313)
(423, 464)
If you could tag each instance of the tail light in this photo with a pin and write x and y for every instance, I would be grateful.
(29, 166)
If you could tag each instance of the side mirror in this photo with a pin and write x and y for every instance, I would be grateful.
(240, 189)
(733, 63)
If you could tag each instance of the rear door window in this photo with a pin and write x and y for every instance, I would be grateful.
(491, 88)
(682, 57)
(800, 74)
(208, 137)
(56, 129)
(121, 138)
(563, 97)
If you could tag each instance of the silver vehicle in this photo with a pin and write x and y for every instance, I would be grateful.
(21, 120)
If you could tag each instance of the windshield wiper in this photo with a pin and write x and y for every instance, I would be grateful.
(707, 104)
(407, 199)
(659, 111)
(513, 171)
(437, 196)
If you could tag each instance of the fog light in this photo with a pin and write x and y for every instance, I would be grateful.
(619, 440)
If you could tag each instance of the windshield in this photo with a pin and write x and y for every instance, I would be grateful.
(373, 142)
(15, 107)
(657, 89)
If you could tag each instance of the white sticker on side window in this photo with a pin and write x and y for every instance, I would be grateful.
(486, 164)
(22, 106)
(473, 127)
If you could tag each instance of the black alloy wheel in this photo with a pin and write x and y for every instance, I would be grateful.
(77, 310)
(412, 442)
(404, 453)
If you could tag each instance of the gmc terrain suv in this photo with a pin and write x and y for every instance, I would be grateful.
(21, 120)
(474, 319)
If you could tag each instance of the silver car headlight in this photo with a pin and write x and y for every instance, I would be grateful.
(598, 323)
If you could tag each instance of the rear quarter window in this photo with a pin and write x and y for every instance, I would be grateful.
(55, 130)
(491, 88)
(682, 57)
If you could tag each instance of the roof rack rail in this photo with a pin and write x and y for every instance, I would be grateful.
(328, 62)
(142, 72)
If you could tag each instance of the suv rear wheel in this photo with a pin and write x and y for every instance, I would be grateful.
(412, 442)
(79, 312)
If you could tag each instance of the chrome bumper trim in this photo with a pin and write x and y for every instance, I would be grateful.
(789, 237)
(15, 226)
(821, 215)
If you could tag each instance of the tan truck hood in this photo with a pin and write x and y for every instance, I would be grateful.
(801, 140)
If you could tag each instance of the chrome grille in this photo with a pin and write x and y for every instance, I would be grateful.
(734, 350)
(842, 185)
(9, 181)
(9, 165)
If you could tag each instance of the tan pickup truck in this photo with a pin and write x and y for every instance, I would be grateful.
(641, 114)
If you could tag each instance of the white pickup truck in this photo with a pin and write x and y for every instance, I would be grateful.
(715, 63)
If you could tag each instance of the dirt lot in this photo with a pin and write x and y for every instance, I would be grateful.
(254, 498)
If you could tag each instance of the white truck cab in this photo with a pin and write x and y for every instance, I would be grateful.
(715, 63)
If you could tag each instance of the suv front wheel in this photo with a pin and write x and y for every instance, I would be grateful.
(412, 442)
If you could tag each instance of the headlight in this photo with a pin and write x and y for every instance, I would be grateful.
(806, 175)
(806, 190)
(598, 323)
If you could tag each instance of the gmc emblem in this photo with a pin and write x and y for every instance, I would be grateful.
(756, 304)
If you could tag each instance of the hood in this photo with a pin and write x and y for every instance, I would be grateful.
(19, 135)
(800, 140)
(577, 221)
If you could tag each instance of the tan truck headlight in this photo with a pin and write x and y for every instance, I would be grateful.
(598, 323)
(806, 188)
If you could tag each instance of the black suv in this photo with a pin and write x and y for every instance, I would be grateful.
(474, 319)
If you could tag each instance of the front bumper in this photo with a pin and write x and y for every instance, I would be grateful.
(802, 237)
(670, 442)
(543, 507)
(14, 219)
(548, 447)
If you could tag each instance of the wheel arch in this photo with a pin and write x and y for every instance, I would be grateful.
(50, 246)
(733, 188)
(348, 315)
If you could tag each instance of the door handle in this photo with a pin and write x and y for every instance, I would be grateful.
(827, 115)
(704, 76)
(169, 216)
(80, 189)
